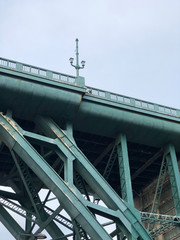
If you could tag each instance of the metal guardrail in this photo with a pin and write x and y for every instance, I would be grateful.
(137, 103)
(60, 77)
(35, 71)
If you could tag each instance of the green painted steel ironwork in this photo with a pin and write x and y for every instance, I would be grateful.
(98, 113)
(119, 152)
(89, 109)
(63, 192)
(159, 187)
(89, 173)
(110, 163)
(59, 77)
(77, 207)
(174, 175)
(124, 170)
(29, 215)
(21, 69)
(159, 218)
(34, 197)
(162, 222)
(27, 93)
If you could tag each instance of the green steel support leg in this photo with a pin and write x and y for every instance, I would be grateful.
(120, 150)
(174, 175)
(124, 171)
(125, 176)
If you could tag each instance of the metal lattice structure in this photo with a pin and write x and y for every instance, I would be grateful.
(90, 149)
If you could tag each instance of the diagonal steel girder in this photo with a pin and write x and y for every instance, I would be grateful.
(11, 136)
(40, 213)
(127, 217)
(12, 226)
(24, 212)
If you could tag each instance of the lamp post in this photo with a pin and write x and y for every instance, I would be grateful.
(77, 66)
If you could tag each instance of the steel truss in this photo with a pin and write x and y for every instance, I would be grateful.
(71, 177)
(169, 162)
(69, 189)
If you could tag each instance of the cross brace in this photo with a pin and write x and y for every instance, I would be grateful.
(126, 217)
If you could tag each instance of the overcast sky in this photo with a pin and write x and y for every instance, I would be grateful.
(131, 47)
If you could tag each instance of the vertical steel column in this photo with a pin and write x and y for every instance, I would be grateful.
(159, 187)
(173, 175)
(124, 169)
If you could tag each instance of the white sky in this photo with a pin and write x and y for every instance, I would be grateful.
(131, 47)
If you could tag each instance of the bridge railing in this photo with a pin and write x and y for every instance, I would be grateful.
(133, 102)
(60, 77)
(35, 71)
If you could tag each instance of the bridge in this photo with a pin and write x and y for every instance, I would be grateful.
(94, 151)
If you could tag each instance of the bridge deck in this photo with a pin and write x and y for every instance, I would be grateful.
(97, 116)
(112, 98)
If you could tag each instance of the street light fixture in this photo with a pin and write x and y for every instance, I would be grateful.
(77, 67)
(71, 60)
(83, 63)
